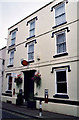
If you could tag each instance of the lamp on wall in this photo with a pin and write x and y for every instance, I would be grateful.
(38, 57)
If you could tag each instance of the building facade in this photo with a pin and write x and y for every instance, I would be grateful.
(47, 42)
(2, 67)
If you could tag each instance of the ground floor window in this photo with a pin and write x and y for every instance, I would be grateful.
(61, 81)
(9, 82)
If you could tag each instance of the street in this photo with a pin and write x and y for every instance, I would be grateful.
(12, 115)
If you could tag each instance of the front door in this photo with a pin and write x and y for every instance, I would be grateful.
(28, 84)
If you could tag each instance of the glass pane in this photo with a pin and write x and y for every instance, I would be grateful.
(13, 34)
(30, 56)
(64, 47)
(10, 79)
(13, 41)
(61, 88)
(60, 38)
(60, 19)
(11, 61)
(10, 87)
(32, 32)
(32, 25)
(60, 10)
(12, 54)
(61, 76)
(61, 49)
(58, 49)
(31, 48)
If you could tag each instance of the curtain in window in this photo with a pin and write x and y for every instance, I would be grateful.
(61, 42)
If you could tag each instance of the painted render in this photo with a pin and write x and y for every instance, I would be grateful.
(2, 67)
(45, 49)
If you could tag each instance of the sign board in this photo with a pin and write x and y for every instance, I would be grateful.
(14, 75)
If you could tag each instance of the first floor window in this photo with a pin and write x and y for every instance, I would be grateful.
(9, 82)
(61, 81)
(31, 51)
(61, 42)
(11, 59)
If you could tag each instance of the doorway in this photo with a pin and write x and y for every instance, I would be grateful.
(28, 84)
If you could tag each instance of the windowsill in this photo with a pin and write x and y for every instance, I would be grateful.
(11, 45)
(10, 66)
(61, 96)
(60, 55)
(8, 91)
(7, 94)
(59, 25)
(30, 61)
(30, 37)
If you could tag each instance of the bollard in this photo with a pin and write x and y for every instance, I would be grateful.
(40, 109)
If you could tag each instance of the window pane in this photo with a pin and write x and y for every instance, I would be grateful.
(32, 32)
(11, 57)
(60, 14)
(12, 54)
(11, 61)
(10, 79)
(61, 44)
(9, 83)
(32, 25)
(61, 88)
(61, 48)
(59, 10)
(60, 38)
(13, 35)
(30, 56)
(64, 47)
(31, 48)
(61, 76)
(60, 19)
(10, 87)
(13, 41)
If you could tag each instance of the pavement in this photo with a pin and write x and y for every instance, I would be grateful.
(34, 113)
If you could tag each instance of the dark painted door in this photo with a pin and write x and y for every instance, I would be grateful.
(28, 84)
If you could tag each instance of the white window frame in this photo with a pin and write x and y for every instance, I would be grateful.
(28, 51)
(11, 58)
(31, 29)
(60, 32)
(58, 70)
(13, 38)
(8, 82)
(55, 16)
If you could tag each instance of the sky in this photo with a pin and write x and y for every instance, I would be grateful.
(12, 11)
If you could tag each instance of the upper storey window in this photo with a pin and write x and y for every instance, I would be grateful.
(13, 37)
(32, 28)
(60, 16)
(61, 42)
(31, 23)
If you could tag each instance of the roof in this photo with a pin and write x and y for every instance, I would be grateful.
(31, 14)
(3, 48)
